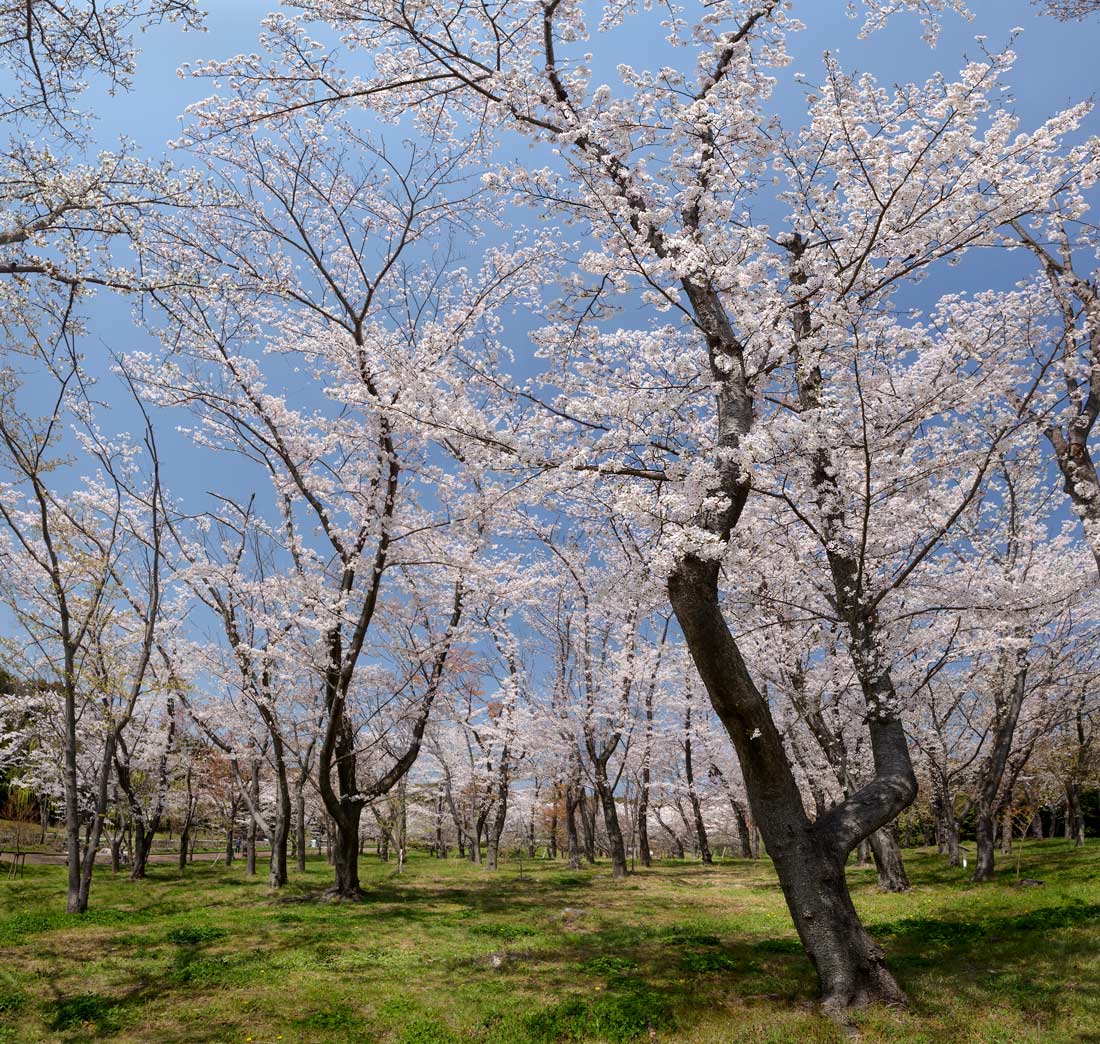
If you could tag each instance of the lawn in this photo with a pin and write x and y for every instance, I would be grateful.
(451, 953)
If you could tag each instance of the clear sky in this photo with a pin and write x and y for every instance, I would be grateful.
(1057, 67)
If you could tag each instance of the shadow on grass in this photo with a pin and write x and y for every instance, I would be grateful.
(617, 983)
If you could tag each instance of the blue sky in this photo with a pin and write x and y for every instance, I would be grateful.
(1056, 68)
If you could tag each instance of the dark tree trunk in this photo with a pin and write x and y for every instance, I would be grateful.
(809, 857)
(611, 823)
(588, 825)
(1010, 699)
(229, 839)
(250, 838)
(572, 841)
(500, 814)
(642, 814)
(143, 845)
(891, 869)
(300, 828)
(277, 871)
(1075, 820)
(693, 796)
(345, 862)
(744, 837)
(677, 844)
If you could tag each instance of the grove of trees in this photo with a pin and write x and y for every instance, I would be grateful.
(532, 444)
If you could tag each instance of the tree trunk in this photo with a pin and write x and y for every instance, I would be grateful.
(300, 828)
(1075, 820)
(642, 814)
(588, 825)
(345, 862)
(1010, 699)
(250, 838)
(277, 869)
(572, 841)
(677, 844)
(891, 869)
(611, 822)
(809, 857)
(744, 837)
(143, 845)
(500, 814)
(693, 797)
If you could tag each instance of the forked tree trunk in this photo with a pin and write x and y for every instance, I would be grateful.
(611, 823)
(143, 845)
(891, 869)
(1010, 700)
(500, 814)
(809, 858)
(345, 864)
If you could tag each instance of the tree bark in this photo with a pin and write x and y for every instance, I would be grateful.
(809, 857)
(500, 813)
(611, 822)
(572, 841)
(992, 770)
(887, 855)
(254, 804)
(693, 796)
(300, 827)
(588, 826)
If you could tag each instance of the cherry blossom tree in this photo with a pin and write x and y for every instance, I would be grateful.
(777, 328)
(81, 573)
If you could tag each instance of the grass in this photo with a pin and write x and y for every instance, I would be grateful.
(453, 954)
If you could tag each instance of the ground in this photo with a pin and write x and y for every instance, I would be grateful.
(449, 953)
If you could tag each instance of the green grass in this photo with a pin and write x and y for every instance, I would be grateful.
(453, 954)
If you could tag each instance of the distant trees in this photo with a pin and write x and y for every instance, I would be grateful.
(478, 594)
